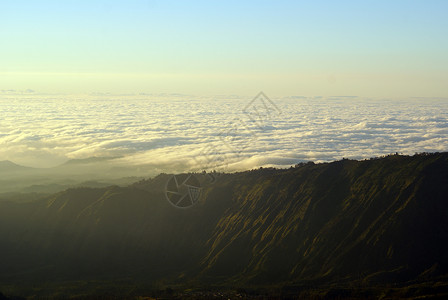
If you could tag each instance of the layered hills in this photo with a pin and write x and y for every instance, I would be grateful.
(378, 222)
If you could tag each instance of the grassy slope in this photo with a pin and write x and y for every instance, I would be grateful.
(366, 223)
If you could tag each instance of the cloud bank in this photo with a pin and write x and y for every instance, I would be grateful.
(177, 133)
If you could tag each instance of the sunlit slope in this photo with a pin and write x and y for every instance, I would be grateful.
(381, 221)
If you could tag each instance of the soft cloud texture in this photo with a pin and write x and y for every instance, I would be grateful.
(175, 133)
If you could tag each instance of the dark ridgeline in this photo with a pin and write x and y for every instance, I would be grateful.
(347, 227)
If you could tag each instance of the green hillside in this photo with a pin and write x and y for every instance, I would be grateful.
(356, 225)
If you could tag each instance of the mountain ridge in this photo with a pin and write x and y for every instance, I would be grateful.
(375, 222)
(9, 165)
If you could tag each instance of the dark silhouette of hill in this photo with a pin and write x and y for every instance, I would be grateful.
(379, 222)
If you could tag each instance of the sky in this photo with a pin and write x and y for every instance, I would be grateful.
(364, 48)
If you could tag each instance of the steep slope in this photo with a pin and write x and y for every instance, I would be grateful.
(383, 220)
(377, 221)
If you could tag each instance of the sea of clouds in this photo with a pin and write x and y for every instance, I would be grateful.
(178, 133)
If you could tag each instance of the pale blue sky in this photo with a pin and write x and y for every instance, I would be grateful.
(367, 48)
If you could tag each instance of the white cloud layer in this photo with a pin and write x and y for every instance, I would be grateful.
(175, 133)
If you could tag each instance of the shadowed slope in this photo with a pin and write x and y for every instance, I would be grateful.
(376, 221)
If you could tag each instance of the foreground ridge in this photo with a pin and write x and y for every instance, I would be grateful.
(340, 227)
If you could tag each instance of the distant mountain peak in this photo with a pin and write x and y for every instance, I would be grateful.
(7, 164)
